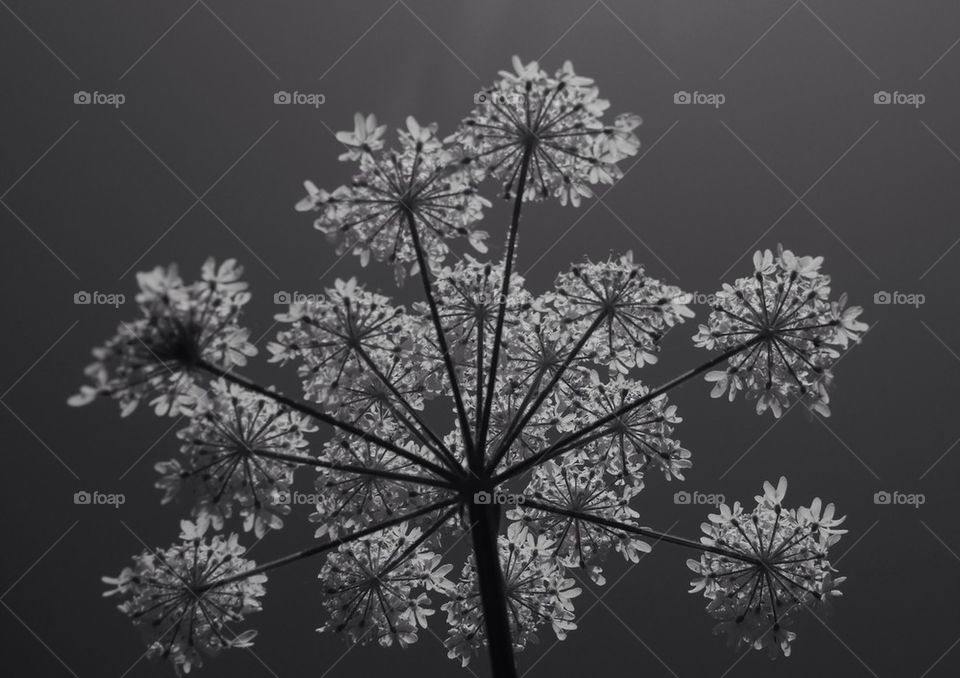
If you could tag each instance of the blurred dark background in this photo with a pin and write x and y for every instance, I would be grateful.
(92, 193)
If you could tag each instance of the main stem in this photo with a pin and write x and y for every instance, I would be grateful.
(484, 527)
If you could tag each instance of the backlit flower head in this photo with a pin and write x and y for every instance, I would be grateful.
(232, 458)
(174, 597)
(636, 310)
(419, 185)
(783, 567)
(477, 414)
(336, 337)
(799, 333)
(347, 499)
(634, 441)
(538, 595)
(181, 325)
(580, 543)
(557, 120)
(377, 588)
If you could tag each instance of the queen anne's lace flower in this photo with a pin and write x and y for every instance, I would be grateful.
(173, 595)
(537, 594)
(634, 441)
(347, 499)
(580, 543)
(785, 308)
(421, 181)
(155, 356)
(533, 392)
(783, 567)
(232, 459)
(338, 337)
(636, 310)
(376, 588)
(557, 120)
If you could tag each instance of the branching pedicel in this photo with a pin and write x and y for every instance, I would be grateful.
(541, 404)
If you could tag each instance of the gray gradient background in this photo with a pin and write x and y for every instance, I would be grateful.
(84, 200)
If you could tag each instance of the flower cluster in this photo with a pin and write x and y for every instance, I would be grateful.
(634, 310)
(776, 565)
(797, 333)
(181, 325)
(580, 542)
(631, 442)
(342, 339)
(537, 592)
(175, 597)
(378, 588)
(533, 392)
(413, 197)
(236, 456)
(361, 484)
(557, 122)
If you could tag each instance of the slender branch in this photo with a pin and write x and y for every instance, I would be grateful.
(353, 468)
(438, 448)
(427, 533)
(323, 548)
(310, 411)
(556, 448)
(441, 335)
(516, 427)
(640, 531)
(504, 292)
